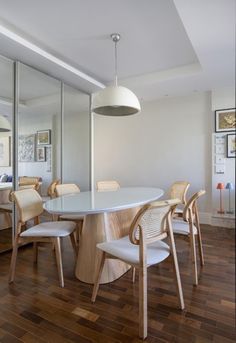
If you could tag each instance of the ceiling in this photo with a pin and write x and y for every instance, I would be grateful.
(167, 47)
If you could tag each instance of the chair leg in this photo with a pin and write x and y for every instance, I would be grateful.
(98, 276)
(194, 258)
(133, 274)
(143, 302)
(35, 252)
(199, 236)
(57, 244)
(178, 281)
(72, 238)
(13, 261)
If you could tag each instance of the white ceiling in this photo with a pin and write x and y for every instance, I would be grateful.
(168, 47)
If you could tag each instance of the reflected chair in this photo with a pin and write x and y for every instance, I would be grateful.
(29, 182)
(110, 185)
(178, 190)
(30, 206)
(189, 226)
(7, 208)
(142, 248)
(66, 189)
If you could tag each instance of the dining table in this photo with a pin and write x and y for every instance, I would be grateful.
(107, 216)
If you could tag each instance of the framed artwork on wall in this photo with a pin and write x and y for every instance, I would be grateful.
(40, 154)
(231, 145)
(5, 160)
(43, 137)
(225, 120)
(26, 148)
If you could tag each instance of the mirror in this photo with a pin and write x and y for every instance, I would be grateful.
(39, 129)
(6, 109)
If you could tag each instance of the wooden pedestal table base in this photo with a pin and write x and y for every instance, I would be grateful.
(102, 227)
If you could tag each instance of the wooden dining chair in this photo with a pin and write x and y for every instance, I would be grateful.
(110, 185)
(30, 206)
(142, 248)
(7, 208)
(178, 190)
(66, 189)
(190, 226)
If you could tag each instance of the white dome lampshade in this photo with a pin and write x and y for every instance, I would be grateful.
(4, 124)
(115, 101)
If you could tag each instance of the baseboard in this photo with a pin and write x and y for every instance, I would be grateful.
(205, 218)
(209, 219)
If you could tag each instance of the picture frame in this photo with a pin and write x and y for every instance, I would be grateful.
(225, 120)
(231, 145)
(5, 157)
(44, 137)
(40, 154)
(26, 148)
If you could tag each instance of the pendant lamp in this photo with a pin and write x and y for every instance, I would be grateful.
(4, 124)
(115, 100)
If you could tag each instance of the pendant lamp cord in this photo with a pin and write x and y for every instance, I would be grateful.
(116, 63)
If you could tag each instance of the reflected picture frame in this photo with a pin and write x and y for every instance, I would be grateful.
(5, 158)
(40, 154)
(225, 120)
(231, 145)
(44, 137)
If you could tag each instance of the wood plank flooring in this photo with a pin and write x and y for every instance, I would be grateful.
(36, 309)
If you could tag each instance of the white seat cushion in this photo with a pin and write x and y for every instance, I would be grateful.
(50, 229)
(123, 249)
(71, 217)
(181, 227)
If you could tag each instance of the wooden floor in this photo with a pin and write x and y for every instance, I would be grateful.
(36, 309)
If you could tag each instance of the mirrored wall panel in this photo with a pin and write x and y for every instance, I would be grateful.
(6, 110)
(39, 129)
(76, 138)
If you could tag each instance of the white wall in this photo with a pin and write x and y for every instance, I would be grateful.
(170, 140)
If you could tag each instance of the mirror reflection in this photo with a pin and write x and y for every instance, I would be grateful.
(6, 106)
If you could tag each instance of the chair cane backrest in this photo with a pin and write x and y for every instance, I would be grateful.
(66, 188)
(178, 190)
(35, 186)
(29, 204)
(111, 185)
(51, 191)
(190, 209)
(152, 221)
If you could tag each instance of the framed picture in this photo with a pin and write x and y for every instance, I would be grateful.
(26, 148)
(225, 120)
(5, 160)
(44, 137)
(40, 154)
(231, 145)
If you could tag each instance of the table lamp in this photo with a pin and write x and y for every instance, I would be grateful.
(229, 186)
(220, 186)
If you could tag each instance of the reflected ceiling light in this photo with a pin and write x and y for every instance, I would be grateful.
(4, 124)
(115, 100)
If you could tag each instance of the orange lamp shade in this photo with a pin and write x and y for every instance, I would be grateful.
(220, 185)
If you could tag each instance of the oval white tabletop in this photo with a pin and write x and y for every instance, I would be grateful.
(99, 202)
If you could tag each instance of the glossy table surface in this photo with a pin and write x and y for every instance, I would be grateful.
(99, 202)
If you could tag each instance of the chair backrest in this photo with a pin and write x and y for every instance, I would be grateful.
(29, 186)
(110, 185)
(28, 180)
(178, 190)
(51, 191)
(190, 209)
(66, 188)
(152, 221)
(29, 204)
